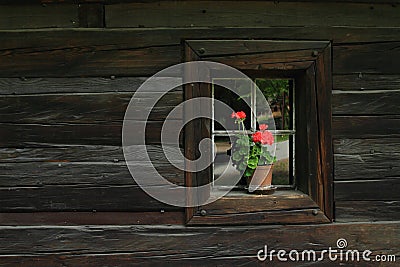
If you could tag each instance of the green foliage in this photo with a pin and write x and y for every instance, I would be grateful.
(247, 155)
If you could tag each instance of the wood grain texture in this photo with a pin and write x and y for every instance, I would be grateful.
(358, 159)
(324, 115)
(241, 202)
(38, 16)
(26, 135)
(376, 58)
(226, 48)
(85, 61)
(360, 82)
(136, 52)
(92, 218)
(128, 259)
(366, 102)
(82, 165)
(78, 198)
(91, 15)
(255, 14)
(87, 108)
(28, 86)
(364, 190)
(357, 211)
(365, 126)
(290, 216)
(196, 242)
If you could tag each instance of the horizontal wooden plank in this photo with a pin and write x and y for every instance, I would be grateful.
(136, 38)
(196, 242)
(78, 198)
(78, 61)
(292, 60)
(366, 102)
(365, 126)
(26, 135)
(128, 259)
(26, 86)
(91, 15)
(135, 52)
(367, 158)
(379, 189)
(353, 82)
(63, 153)
(88, 108)
(366, 58)
(82, 173)
(219, 48)
(86, 166)
(241, 202)
(357, 211)
(38, 16)
(92, 218)
(255, 14)
(263, 217)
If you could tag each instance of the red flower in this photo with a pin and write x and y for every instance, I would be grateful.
(267, 138)
(263, 127)
(257, 137)
(241, 115)
(238, 115)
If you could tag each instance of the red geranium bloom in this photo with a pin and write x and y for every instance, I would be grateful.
(241, 115)
(267, 138)
(257, 137)
(238, 115)
(263, 127)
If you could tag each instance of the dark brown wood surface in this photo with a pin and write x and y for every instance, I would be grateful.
(63, 91)
(175, 243)
(136, 51)
(38, 16)
(357, 159)
(258, 13)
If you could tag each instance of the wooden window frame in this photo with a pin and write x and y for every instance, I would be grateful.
(309, 63)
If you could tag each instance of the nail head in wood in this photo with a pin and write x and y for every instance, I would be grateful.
(315, 212)
(315, 53)
(202, 51)
(203, 212)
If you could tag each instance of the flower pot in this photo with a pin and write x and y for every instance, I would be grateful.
(261, 178)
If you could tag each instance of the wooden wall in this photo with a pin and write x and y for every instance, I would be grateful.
(69, 68)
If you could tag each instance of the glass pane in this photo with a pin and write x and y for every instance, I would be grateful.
(278, 93)
(281, 172)
(222, 164)
(233, 100)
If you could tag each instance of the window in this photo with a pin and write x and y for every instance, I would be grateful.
(279, 93)
(303, 116)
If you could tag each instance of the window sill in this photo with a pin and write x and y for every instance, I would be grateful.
(241, 208)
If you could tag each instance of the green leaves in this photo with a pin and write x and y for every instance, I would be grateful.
(247, 155)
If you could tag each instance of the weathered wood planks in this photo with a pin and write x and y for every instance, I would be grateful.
(95, 108)
(144, 52)
(366, 126)
(196, 242)
(245, 14)
(360, 210)
(78, 198)
(38, 16)
(359, 159)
